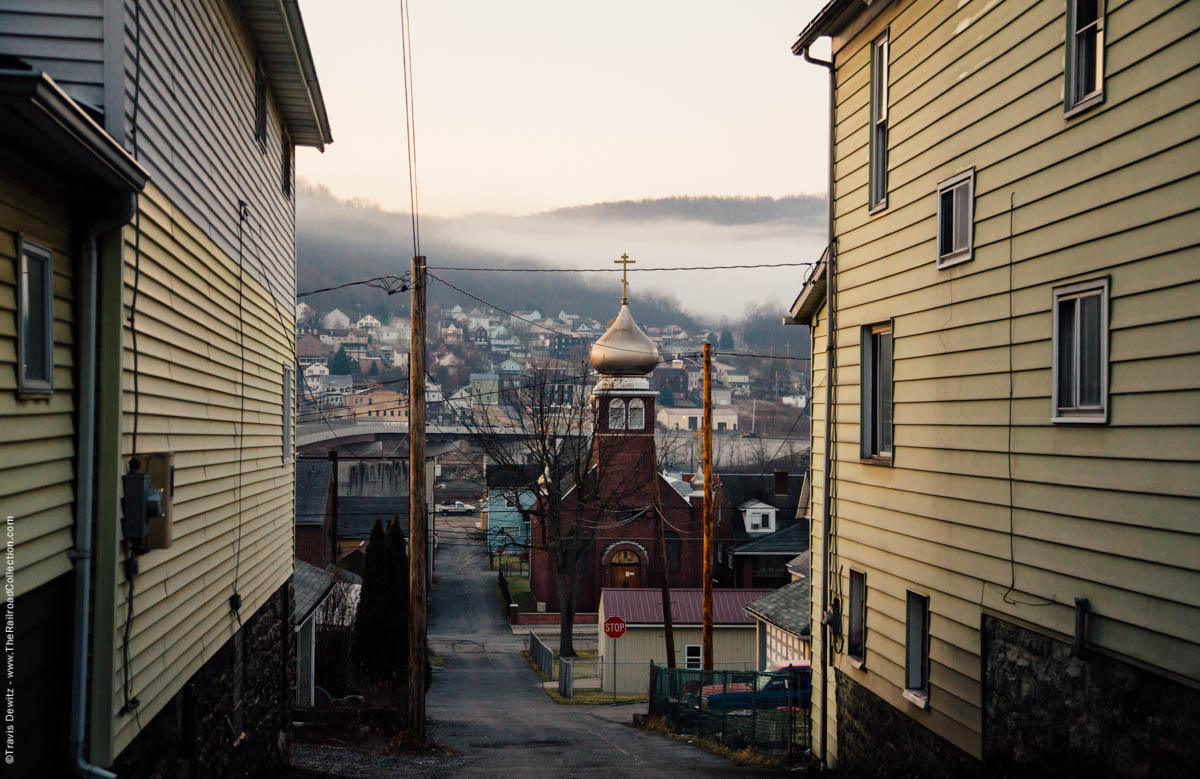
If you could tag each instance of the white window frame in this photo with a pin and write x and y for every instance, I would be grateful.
(616, 414)
(1073, 105)
(1093, 415)
(690, 662)
(636, 422)
(878, 152)
(955, 256)
(919, 694)
(857, 613)
(289, 383)
(26, 384)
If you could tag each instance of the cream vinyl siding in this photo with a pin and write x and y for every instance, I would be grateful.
(1106, 513)
(196, 135)
(37, 455)
(190, 398)
(734, 649)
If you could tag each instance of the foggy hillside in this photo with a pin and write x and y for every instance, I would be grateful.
(339, 241)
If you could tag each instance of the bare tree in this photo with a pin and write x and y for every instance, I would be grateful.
(581, 481)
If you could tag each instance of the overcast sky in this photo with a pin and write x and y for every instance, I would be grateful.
(529, 105)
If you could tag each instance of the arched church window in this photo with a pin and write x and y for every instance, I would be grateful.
(624, 557)
(637, 414)
(616, 414)
(674, 551)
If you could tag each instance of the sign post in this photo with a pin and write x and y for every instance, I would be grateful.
(614, 628)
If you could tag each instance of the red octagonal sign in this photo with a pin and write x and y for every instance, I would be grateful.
(614, 627)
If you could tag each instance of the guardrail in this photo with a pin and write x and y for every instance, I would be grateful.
(542, 655)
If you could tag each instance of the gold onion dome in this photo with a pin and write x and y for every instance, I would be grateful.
(624, 350)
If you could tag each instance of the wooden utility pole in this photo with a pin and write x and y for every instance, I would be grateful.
(706, 638)
(668, 622)
(417, 516)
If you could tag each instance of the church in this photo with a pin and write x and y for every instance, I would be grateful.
(614, 513)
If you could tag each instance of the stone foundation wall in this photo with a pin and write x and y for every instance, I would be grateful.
(197, 734)
(877, 739)
(1047, 713)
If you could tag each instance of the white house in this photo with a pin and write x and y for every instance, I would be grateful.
(335, 320)
(724, 418)
(303, 311)
(313, 374)
(367, 322)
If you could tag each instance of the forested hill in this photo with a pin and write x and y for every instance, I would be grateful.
(808, 210)
(338, 241)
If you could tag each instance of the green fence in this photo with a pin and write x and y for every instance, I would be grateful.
(767, 712)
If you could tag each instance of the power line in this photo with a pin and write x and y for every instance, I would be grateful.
(631, 270)
(765, 356)
(390, 283)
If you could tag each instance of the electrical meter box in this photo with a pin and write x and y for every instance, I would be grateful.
(160, 469)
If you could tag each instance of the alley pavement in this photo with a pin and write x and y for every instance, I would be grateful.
(487, 706)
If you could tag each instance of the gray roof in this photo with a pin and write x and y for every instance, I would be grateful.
(357, 515)
(311, 586)
(801, 563)
(505, 476)
(312, 490)
(743, 487)
(787, 608)
(790, 541)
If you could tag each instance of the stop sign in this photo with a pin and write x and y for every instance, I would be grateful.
(614, 627)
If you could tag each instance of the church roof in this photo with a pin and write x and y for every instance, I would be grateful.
(624, 350)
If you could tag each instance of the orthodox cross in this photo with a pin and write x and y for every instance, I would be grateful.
(624, 262)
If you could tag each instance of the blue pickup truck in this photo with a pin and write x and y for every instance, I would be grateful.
(775, 690)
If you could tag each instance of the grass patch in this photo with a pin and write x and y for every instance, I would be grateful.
(745, 756)
(521, 595)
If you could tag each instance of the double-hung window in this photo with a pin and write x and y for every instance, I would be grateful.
(856, 644)
(692, 656)
(879, 124)
(1080, 371)
(1085, 54)
(35, 320)
(956, 218)
(916, 650)
(637, 414)
(876, 412)
(260, 105)
(288, 393)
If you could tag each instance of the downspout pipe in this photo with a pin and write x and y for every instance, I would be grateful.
(81, 554)
(830, 350)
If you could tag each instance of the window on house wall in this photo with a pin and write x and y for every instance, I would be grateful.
(1081, 352)
(637, 414)
(35, 320)
(260, 104)
(691, 654)
(288, 393)
(956, 217)
(879, 124)
(876, 411)
(1085, 54)
(286, 167)
(856, 646)
(674, 551)
(616, 414)
(510, 501)
(916, 648)
(691, 423)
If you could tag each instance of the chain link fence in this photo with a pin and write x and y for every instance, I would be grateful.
(767, 712)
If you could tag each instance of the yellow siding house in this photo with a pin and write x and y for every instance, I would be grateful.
(1006, 388)
(147, 374)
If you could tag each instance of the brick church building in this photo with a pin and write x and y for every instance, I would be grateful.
(613, 510)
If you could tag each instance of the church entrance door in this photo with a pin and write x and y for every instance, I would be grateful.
(624, 570)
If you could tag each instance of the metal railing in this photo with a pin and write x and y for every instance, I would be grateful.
(767, 712)
(566, 677)
(542, 655)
